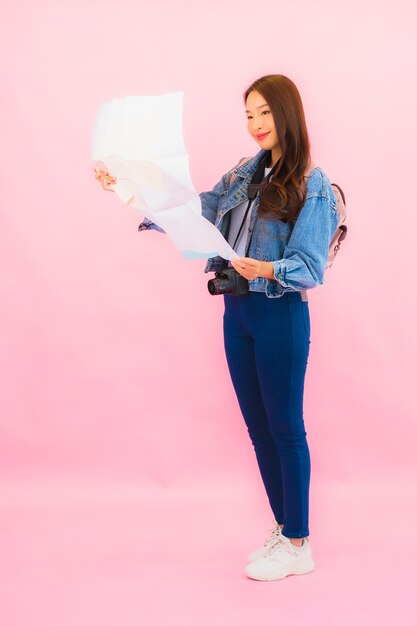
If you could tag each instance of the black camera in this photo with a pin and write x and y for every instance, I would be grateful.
(228, 281)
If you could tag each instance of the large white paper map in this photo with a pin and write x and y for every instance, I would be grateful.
(139, 140)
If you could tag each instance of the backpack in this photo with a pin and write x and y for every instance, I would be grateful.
(341, 229)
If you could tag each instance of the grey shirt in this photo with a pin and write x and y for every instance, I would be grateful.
(236, 218)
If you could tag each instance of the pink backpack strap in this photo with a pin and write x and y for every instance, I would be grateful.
(341, 230)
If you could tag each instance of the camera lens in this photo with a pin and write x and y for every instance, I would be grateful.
(211, 287)
(220, 285)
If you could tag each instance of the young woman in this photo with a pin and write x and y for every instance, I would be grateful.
(279, 213)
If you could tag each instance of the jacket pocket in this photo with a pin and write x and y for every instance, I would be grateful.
(273, 229)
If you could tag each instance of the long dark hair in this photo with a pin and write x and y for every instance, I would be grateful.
(284, 195)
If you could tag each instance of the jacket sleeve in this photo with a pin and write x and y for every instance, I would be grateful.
(148, 225)
(210, 199)
(305, 256)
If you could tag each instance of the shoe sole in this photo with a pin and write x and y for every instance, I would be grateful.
(306, 568)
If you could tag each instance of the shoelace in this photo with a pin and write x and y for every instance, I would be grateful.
(276, 532)
(280, 544)
(273, 546)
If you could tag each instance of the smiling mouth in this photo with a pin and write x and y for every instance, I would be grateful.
(262, 136)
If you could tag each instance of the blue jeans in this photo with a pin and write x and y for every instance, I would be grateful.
(267, 342)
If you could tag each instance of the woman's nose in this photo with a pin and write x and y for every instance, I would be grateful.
(256, 125)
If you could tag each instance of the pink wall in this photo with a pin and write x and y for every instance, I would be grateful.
(109, 364)
(111, 357)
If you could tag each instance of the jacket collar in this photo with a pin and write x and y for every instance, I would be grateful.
(248, 168)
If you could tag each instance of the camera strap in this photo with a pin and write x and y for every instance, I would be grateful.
(258, 180)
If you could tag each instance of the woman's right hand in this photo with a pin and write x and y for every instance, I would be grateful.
(106, 179)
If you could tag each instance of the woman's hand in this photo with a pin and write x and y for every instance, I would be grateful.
(106, 179)
(252, 268)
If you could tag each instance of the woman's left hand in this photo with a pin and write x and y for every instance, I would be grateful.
(252, 268)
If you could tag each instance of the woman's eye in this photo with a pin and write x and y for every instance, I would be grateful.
(249, 117)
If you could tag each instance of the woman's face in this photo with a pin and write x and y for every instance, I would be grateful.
(261, 122)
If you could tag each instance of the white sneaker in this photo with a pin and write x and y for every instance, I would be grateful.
(276, 531)
(281, 559)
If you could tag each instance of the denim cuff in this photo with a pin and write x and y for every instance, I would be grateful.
(279, 272)
(147, 224)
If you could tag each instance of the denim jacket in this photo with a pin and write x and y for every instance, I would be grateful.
(297, 251)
